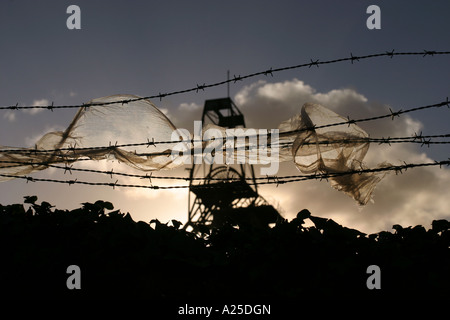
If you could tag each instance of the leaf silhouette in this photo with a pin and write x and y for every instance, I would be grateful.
(121, 257)
(176, 224)
(30, 199)
(440, 225)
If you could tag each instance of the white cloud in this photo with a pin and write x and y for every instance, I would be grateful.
(136, 193)
(165, 111)
(189, 107)
(10, 116)
(40, 103)
(415, 197)
(339, 97)
(185, 115)
(37, 103)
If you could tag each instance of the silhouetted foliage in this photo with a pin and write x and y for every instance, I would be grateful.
(121, 258)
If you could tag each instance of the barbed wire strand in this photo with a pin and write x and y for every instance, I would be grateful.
(235, 79)
(420, 139)
(152, 142)
(269, 180)
(417, 139)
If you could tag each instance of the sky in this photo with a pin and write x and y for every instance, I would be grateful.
(150, 47)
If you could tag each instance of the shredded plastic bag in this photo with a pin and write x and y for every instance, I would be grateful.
(314, 150)
(332, 150)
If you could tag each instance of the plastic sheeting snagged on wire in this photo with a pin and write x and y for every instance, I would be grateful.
(299, 141)
(335, 156)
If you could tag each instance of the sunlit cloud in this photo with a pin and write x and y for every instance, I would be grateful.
(415, 197)
(189, 107)
(10, 116)
(37, 103)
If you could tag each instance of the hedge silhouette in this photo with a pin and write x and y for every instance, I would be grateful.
(121, 258)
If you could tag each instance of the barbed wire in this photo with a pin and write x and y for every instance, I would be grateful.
(424, 140)
(268, 180)
(58, 156)
(235, 79)
(152, 142)
(417, 139)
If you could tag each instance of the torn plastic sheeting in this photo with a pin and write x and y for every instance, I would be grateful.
(136, 121)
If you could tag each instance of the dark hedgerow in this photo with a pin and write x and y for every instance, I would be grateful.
(121, 258)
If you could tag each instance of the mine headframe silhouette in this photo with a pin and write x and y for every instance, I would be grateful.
(226, 193)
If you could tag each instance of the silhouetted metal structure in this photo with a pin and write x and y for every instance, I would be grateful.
(225, 195)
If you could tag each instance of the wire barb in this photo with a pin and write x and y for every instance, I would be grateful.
(68, 168)
(429, 53)
(112, 147)
(73, 148)
(113, 185)
(395, 114)
(161, 95)
(236, 79)
(383, 140)
(426, 142)
(353, 58)
(390, 53)
(151, 143)
(16, 107)
(202, 87)
(268, 72)
(314, 63)
(418, 136)
(149, 177)
(350, 122)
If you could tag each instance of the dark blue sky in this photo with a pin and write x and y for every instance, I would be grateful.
(144, 47)
(147, 47)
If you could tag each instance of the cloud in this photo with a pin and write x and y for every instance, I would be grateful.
(10, 116)
(189, 107)
(37, 103)
(415, 197)
(185, 115)
(146, 204)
